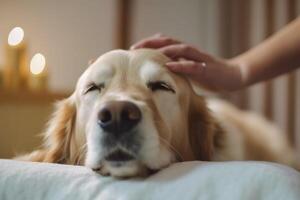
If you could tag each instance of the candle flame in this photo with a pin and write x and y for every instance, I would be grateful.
(37, 64)
(15, 36)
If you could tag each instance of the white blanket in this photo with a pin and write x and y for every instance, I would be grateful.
(189, 180)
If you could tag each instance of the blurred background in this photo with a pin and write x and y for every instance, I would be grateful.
(56, 39)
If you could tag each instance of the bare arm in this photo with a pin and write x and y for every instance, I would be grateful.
(277, 55)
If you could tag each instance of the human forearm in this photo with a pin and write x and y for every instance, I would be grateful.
(276, 55)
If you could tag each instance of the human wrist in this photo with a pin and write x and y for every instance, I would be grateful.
(241, 71)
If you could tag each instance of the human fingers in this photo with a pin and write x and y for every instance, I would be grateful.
(155, 42)
(187, 67)
(188, 52)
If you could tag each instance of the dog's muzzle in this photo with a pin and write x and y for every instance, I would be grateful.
(118, 120)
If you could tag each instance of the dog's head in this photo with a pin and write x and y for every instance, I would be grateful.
(129, 114)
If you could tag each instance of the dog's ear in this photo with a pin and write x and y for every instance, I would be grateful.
(57, 136)
(59, 132)
(201, 129)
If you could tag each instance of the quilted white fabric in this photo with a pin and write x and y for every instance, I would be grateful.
(189, 180)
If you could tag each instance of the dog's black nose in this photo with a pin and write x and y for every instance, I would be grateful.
(118, 116)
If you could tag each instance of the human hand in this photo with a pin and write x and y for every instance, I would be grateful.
(209, 71)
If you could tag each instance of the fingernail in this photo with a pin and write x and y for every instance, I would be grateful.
(132, 47)
(170, 65)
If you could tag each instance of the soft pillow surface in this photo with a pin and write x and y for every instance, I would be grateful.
(187, 180)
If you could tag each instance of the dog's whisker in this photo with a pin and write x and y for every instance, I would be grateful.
(168, 144)
(80, 154)
(171, 147)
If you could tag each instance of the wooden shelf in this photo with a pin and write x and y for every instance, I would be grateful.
(31, 97)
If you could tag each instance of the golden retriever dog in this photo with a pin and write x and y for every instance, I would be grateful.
(129, 115)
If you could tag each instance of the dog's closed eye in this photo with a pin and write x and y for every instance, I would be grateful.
(93, 87)
(160, 85)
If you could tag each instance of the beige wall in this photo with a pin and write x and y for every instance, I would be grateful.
(21, 123)
(193, 21)
(68, 32)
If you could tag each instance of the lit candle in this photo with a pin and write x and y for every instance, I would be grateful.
(15, 72)
(38, 73)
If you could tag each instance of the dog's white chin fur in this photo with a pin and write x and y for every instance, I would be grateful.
(131, 168)
(128, 169)
(137, 168)
(156, 159)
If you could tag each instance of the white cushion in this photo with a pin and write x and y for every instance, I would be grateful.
(188, 180)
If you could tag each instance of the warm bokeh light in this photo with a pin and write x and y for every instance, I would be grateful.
(37, 64)
(15, 36)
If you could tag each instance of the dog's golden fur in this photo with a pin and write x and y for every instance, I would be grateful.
(207, 129)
